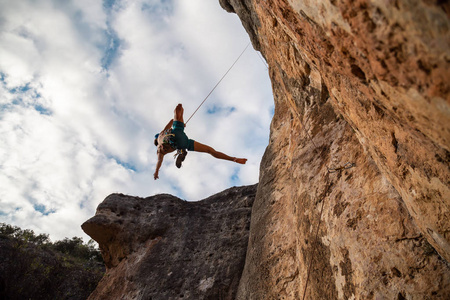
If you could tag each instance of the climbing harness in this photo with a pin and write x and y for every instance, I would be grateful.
(218, 83)
(344, 167)
(169, 138)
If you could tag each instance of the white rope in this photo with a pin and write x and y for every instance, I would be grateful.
(218, 83)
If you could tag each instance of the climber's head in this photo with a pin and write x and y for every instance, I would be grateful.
(156, 140)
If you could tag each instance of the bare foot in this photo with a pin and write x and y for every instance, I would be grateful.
(241, 161)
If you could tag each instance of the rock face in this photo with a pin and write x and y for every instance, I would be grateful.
(362, 84)
(162, 247)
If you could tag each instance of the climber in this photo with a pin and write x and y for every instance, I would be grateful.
(172, 138)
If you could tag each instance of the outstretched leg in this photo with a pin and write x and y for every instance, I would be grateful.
(178, 113)
(199, 147)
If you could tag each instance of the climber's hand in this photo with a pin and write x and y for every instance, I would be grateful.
(155, 175)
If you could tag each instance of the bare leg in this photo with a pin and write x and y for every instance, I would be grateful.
(199, 147)
(178, 113)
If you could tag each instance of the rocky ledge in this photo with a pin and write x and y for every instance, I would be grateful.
(162, 247)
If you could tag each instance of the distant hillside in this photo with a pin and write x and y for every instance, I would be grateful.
(32, 267)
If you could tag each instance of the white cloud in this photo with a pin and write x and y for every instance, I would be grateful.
(84, 86)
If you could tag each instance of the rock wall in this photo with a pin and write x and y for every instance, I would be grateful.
(163, 248)
(365, 83)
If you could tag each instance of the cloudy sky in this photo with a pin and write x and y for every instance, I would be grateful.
(84, 87)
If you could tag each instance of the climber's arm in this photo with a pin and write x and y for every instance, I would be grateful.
(158, 164)
(169, 125)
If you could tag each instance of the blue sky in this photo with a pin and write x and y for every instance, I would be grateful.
(84, 87)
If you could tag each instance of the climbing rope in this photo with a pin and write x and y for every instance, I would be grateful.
(218, 83)
(262, 60)
(330, 170)
(348, 165)
(315, 242)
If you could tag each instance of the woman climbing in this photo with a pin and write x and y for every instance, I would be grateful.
(172, 138)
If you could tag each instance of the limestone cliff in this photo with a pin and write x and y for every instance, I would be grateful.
(365, 83)
(162, 247)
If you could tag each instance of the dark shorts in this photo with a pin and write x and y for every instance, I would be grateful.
(183, 142)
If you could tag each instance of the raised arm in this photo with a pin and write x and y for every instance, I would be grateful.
(169, 125)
